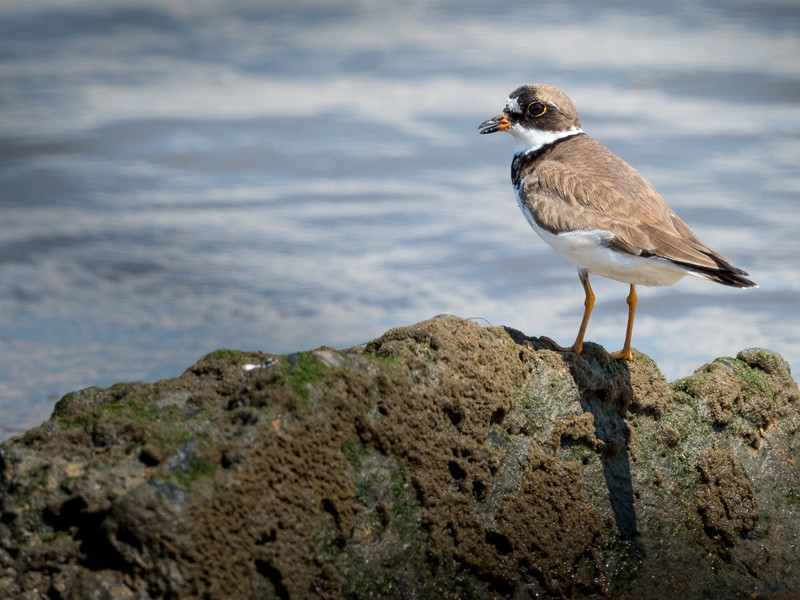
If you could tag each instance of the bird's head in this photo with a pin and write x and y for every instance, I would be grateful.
(534, 115)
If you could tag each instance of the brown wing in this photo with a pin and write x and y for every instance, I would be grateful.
(581, 185)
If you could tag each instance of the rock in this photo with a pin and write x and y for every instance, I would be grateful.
(725, 499)
(442, 460)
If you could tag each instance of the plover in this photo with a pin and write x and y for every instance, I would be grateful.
(596, 209)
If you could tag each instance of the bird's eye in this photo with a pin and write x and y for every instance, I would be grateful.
(536, 109)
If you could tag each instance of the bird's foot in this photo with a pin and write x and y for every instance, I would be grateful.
(624, 354)
(574, 349)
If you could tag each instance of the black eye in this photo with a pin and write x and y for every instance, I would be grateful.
(536, 109)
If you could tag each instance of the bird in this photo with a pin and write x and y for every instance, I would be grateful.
(595, 209)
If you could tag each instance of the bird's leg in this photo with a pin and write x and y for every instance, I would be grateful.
(626, 353)
(588, 305)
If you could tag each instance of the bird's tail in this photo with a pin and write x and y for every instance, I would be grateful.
(725, 273)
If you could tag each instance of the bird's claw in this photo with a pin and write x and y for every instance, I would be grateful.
(622, 354)
(574, 349)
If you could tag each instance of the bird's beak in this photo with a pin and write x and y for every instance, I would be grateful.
(498, 123)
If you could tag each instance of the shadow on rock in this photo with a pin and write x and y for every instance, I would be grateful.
(605, 392)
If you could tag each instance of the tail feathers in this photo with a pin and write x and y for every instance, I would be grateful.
(725, 273)
(730, 278)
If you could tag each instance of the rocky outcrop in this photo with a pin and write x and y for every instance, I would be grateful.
(443, 460)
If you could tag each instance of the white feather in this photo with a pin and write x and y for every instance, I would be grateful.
(530, 140)
(512, 105)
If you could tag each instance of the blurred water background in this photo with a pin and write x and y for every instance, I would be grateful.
(178, 176)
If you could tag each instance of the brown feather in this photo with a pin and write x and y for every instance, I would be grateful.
(579, 184)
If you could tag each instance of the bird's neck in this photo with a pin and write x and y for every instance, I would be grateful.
(532, 140)
(523, 159)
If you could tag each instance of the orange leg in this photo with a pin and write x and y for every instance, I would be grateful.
(626, 353)
(588, 304)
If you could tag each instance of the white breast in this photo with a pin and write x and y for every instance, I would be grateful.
(589, 250)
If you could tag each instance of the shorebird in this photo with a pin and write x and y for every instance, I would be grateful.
(595, 209)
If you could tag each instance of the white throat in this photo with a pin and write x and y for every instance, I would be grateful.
(530, 140)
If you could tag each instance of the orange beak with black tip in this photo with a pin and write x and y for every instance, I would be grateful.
(498, 123)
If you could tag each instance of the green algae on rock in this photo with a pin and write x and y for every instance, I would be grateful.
(444, 460)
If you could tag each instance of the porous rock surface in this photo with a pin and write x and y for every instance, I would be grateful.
(443, 460)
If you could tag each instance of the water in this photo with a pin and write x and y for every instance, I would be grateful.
(178, 176)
